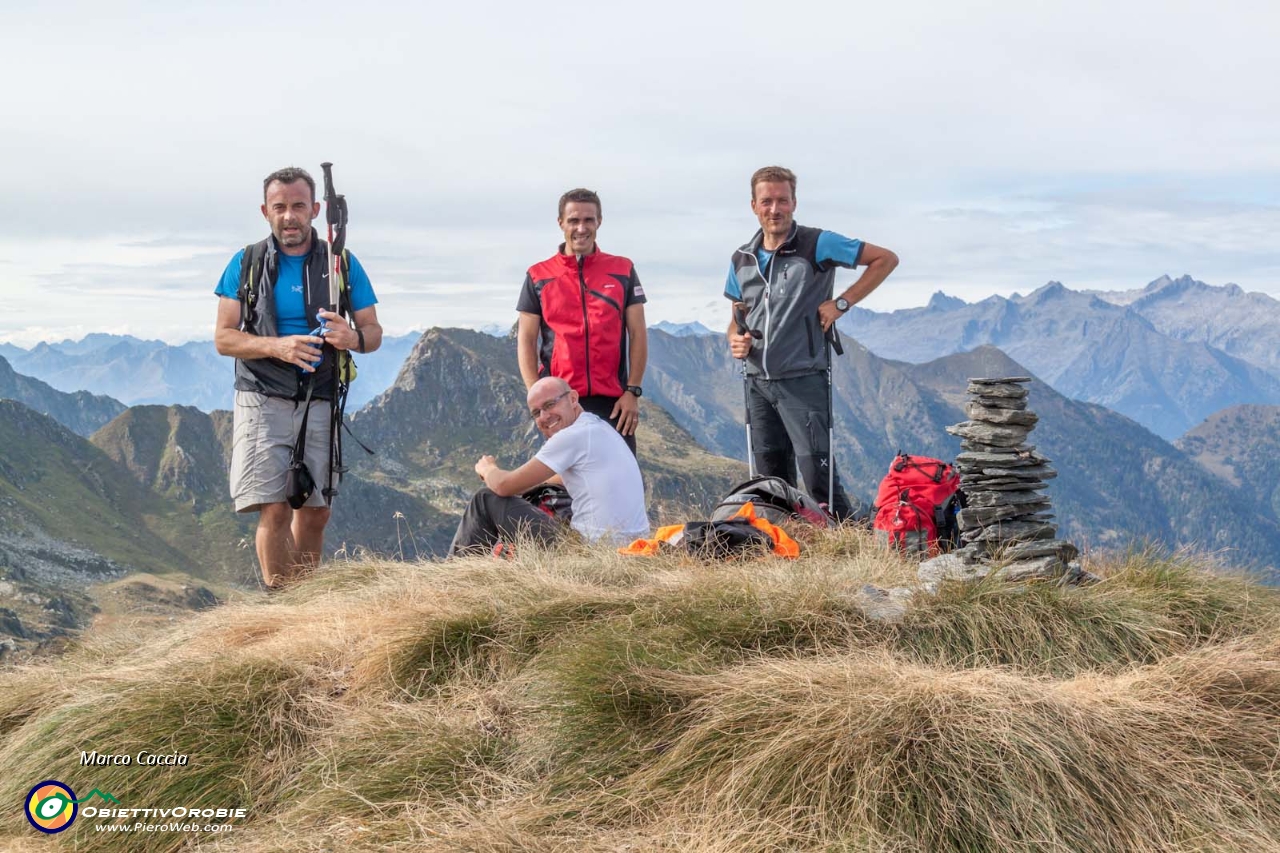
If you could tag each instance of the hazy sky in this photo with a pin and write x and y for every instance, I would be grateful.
(993, 145)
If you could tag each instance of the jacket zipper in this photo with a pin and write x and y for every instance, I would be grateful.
(586, 328)
(768, 290)
(768, 315)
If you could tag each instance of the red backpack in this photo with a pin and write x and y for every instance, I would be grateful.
(917, 503)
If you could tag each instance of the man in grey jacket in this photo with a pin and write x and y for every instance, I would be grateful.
(784, 278)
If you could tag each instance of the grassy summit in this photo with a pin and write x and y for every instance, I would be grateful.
(587, 702)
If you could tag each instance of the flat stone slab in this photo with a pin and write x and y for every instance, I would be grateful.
(884, 605)
(1059, 548)
(1009, 458)
(1036, 568)
(999, 484)
(1000, 436)
(1000, 402)
(1021, 417)
(986, 499)
(979, 447)
(1007, 390)
(949, 567)
(999, 380)
(978, 479)
(1037, 514)
(981, 516)
(1031, 472)
(1012, 531)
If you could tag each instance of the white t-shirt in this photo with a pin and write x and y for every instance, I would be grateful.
(601, 476)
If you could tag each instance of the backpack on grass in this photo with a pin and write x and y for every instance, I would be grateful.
(917, 503)
(774, 500)
(553, 500)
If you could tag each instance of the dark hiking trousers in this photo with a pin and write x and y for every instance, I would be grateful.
(601, 406)
(491, 518)
(788, 426)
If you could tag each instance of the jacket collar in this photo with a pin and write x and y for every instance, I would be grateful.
(572, 260)
(753, 245)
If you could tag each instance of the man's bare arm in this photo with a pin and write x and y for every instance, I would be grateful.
(527, 328)
(509, 483)
(880, 262)
(627, 408)
(298, 350)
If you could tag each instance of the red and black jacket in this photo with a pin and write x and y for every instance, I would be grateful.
(583, 306)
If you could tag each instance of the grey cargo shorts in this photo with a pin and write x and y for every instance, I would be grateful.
(263, 434)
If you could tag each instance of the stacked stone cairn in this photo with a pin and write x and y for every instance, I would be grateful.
(1007, 525)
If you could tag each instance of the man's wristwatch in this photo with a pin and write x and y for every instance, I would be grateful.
(636, 390)
(842, 304)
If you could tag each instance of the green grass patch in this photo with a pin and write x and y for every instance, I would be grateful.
(239, 722)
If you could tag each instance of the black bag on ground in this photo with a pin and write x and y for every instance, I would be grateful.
(775, 500)
(553, 500)
(721, 539)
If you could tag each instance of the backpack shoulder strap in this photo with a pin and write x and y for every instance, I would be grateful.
(250, 264)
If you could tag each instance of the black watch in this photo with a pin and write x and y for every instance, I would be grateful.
(636, 390)
(842, 304)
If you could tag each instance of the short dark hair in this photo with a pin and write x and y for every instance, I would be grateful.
(583, 195)
(772, 175)
(288, 175)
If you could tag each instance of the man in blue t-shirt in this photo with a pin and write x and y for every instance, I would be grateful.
(279, 363)
(782, 284)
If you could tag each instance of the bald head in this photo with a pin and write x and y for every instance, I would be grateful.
(547, 386)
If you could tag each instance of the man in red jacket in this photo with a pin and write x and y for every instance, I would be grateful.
(582, 319)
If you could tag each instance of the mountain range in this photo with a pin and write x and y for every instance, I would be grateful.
(79, 411)
(1167, 356)
(458, 395)
(139, 372)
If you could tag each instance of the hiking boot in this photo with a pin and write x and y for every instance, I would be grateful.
(504, 551)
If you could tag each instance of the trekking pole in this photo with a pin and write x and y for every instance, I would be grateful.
(335, 208)
(335, 213)
(740, 316)
(833, 343)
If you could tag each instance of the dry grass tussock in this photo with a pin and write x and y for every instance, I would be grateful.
(581, 701)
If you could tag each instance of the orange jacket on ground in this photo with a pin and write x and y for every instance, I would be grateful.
(670, 535)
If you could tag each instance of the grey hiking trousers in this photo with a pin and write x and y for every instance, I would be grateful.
(790, 426)
(491, 518)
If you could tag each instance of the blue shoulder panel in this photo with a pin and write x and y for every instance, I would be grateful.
(838, 249)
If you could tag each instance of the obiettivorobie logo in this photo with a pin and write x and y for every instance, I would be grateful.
(52, 806)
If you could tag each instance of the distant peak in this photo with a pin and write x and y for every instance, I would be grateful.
(1051, 290)
(682, 330)
(1165, 284)
(941, 302)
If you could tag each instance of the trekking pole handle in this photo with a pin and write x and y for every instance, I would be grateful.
(335, 210)
(833, 338)
(740, 317)
(328, 187)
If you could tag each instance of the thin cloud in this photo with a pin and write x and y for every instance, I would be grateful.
(993, 147)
